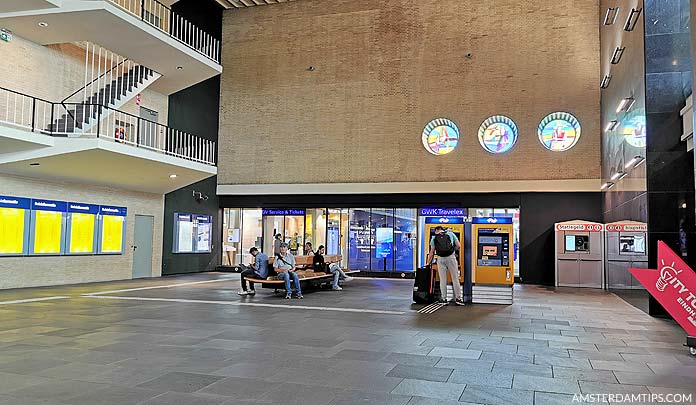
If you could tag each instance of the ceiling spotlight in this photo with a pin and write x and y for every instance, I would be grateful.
(311, 68)
(632, 19)
(179, 67)
(635, 162)
(172, 176)
(683, 205)
(34, 164)
(43, 24)
(618, 53)
(605, 81)
(610, 16)
(625, 104)
(607, 185)
(611, 125)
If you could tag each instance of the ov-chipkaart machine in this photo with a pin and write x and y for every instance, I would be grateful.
(626, 243)
(492, 260)
(579, 254)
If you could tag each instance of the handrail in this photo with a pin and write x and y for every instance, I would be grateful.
(96, 120)
(177, 27)
(95, 80)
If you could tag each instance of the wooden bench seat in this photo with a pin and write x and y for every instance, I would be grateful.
(304, 261)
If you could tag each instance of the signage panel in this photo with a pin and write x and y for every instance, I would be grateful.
(265, 211)
(444, 220)
(589, 227)
(491, 220)
(442, 212)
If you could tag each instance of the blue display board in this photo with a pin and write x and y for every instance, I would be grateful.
(266, 211)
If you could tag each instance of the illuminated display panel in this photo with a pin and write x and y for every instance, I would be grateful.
(113, 220)
(47, 227)
(559, 131)
(498, 134)
(14, 214)
(440, 136)
(82, 227)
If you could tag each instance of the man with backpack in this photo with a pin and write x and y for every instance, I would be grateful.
(445, 243)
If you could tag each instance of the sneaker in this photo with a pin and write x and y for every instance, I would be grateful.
(337, 288)
(300, 296)
(459, 301)
(348, 278)
(288, 296)
(251, 292)
(243, 292)
(443, 302)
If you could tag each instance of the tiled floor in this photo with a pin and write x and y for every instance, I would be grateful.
(203, 344)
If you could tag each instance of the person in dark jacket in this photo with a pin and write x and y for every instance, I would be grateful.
(333, 268)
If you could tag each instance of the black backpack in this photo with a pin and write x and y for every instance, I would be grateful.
(443, 244)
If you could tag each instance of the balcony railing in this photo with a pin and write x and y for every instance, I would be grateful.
(85, 120)
(164, 19)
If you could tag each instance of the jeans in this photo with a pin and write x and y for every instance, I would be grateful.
(290, 275)
(338, 274)
(444, 264)
(248, 273)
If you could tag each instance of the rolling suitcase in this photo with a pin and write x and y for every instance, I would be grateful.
(424, 291)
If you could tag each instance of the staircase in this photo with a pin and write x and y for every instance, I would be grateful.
(112, 89)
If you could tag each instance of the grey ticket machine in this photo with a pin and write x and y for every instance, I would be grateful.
(579, 254)
(626, 247)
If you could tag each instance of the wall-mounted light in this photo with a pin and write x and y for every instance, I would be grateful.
(605, 81)
(618, 53)
(632, 19)
(683, 205)
(607, 185)
(625, 104)
(610, 16)
(618, 175)
(635, 162)
(172, 176)
(42, 24)
(611, 125)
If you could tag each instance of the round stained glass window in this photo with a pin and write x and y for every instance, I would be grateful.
(440, 136)
(497, 134)
(559, 131)
(634, 131)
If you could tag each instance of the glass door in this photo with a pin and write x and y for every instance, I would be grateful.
(272, 226)
(294, 233)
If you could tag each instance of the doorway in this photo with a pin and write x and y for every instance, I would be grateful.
(142, 246)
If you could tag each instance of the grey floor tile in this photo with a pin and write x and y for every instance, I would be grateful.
(74, 370)
(350, 354)
(353, 397)
(420, 372)
(456, 353)
(584, 375)
(548, 398)
(300, 394)
(411, 359)
(593, 387)
(546, 384)
(240, 388)
(496, 396)
(562, 362)
(620, 366)
(11, 382)
(115, 395)
(473, 377)
(58, 390)
(31, 365)
(657, 380)
(180, 382)
(465, 364)
(429, 389)
(180, 398)
(522, 368)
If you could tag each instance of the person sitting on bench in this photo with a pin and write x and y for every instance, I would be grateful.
(333, 268)
(284, 265)
(259, 269)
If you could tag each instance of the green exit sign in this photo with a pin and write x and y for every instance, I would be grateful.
(5, 36)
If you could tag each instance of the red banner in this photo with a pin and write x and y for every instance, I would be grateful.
(673, 286)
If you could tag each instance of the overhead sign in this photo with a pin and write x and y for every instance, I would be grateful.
(444, 220)
(627, 227)
(282, 212)
(588, 227)
(673, 286)
(491, 220)
(15, 202)
(442, 212)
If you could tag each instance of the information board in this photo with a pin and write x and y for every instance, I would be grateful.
(14, 225)
(82, 220)
(112, 230)
(192, 233)
(48, 226)
(203, 231)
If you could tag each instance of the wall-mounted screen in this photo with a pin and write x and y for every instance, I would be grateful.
(112, 233)
(82, 228)
(559, 131)
(47, 227)
(384, 243)
(497, 134)
(632, 244)
(440, 136)
(192, 233)
(577, 243)
(14, 225)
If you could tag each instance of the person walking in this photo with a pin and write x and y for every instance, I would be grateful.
(276, 244)
(445, 243)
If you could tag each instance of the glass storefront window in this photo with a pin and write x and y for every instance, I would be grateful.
(382, 249)
(405, 241)
(232, 236)
(272, 226)
(316, 229)
(360, 239)
(294, 233)
(252, 233)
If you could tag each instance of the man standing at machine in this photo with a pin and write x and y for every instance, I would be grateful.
(445, 243)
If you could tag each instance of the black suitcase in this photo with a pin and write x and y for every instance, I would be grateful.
(424, 289)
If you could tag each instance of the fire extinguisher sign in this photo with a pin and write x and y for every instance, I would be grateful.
(673, 285)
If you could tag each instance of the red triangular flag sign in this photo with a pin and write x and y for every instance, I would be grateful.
(673, 286)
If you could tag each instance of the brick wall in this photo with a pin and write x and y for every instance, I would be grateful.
(384, 69)
(18, 272)
(52, 72)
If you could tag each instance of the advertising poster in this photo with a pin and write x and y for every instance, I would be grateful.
(112, 226)
(48, 226)
(384, 242)
(203, 233)
(185, 234)
(83, 218)
(13, 217)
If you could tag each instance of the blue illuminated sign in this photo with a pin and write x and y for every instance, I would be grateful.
(443, 212)
(49, 205)
(117, 211)
(282, 212)
(492, 220)
(14, 202)
(83, 208)
(444, 220)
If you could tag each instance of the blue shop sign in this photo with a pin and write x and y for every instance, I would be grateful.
(444, 220)
(83, 208)
(14, 202)
(442, 212)
(49, 205)
(492, 220)
(282, 212)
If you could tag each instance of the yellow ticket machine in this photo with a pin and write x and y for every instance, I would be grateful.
(492, 260)
(456, 225)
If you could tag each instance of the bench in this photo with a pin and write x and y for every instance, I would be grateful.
(302, 262)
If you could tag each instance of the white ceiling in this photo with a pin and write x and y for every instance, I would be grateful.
(11, 6)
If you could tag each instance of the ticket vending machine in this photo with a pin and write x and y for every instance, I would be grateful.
(456, 225)
(492, 260)
(579, 254)
(626, 247)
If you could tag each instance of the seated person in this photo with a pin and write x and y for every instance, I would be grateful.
(333, 268)
(308, 249)
(284, 265)
(259, 269)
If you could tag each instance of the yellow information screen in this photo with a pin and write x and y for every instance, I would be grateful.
(112, 234)
(48, 227)
(12, 230)
(82, 233)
